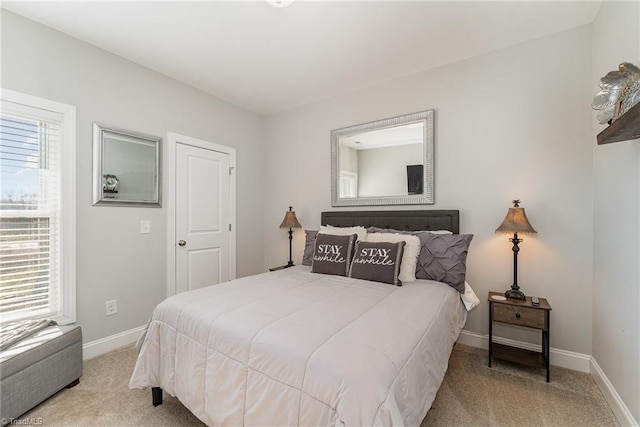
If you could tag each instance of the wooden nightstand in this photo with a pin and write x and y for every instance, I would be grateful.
(520, 313)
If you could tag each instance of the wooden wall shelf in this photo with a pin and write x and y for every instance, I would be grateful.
(626, 128)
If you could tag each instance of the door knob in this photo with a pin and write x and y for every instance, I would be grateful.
(181, 243)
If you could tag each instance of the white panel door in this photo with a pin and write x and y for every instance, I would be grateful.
(202, 217)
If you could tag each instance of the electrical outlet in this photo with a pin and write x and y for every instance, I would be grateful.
(145, 226)
(111, 307)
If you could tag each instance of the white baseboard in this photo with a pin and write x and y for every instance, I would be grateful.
(558, 357)
(616, 403)
(113, 342)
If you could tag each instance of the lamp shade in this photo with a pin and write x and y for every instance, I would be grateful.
(290, 220)
(516, 221)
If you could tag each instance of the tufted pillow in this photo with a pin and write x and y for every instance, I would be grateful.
(443, 258)
(377, 261)
(410, 253)
(332, 254)
(309, 244)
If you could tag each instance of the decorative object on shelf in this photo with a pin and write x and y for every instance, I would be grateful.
(290, 221)
(516, 222)
(619, 91)
(110, 183)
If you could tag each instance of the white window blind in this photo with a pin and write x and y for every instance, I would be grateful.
(31, 265)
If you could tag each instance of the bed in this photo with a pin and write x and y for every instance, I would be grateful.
(292, 347)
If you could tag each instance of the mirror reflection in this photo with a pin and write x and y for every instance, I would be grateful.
(126, 167)
(388, 161)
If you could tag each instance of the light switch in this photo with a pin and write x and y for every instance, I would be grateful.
(145, 226)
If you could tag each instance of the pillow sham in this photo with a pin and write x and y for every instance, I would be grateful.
(469, 298)
(332, 254)
(378, 262)
(410, 253)
(420, 234)
(309, 246)
(344, 231)
(443, 258)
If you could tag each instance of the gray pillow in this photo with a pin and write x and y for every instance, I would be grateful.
(332, 254)
(378, 262)
(309, 245)
(443, 258)
(424, 256)
(422, 235)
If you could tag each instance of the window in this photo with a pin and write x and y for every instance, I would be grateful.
(348, 184)
(37, 208)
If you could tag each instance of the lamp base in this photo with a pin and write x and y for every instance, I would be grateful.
(289, 264)
(515, 294)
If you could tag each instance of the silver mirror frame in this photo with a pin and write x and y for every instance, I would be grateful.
(98, 149)
(426, 198)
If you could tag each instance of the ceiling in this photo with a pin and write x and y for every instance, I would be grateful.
(269, 60)
(412, 133)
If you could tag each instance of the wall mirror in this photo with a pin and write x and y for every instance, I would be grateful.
(126, 167)
(385, 162)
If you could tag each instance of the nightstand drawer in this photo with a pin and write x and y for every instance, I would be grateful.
(523, 316)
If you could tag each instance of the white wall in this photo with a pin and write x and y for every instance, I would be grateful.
(616, 275)
(114, 261)
(514, 123)
(348, 158)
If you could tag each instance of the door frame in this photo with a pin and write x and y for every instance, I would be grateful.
(170, 200)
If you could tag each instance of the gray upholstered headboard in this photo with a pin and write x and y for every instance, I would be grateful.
(398, 220)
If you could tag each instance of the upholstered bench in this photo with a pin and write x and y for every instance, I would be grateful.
(38, 367)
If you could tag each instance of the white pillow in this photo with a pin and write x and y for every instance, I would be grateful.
(439, 232)
(344, 231)
(409, 256)
(469, 298)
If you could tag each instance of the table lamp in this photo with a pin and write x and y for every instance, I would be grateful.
(290, 221)
(516, 222)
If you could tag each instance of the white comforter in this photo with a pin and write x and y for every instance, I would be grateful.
(296, 348)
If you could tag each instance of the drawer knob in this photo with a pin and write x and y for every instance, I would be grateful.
(517, 315)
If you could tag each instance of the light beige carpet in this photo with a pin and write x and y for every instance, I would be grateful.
(471, 395)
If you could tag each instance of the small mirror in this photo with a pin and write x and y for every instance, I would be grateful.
(126, 167)
(386, 162)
